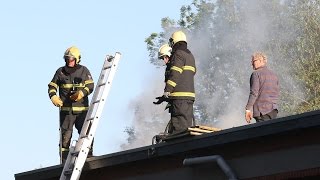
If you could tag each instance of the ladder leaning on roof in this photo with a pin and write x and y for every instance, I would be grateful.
(78, 153)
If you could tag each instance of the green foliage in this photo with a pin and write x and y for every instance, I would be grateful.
(155, 40)
(152, 46)
(306, 14)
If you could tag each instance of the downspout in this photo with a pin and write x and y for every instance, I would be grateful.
(208, 159)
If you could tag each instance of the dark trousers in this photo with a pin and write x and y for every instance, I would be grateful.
(67, 121)
(181, 116)
(271, 115)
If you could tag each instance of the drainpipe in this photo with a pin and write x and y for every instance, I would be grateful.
(208, 159)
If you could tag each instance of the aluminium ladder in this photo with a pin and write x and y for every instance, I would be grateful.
(78, 153)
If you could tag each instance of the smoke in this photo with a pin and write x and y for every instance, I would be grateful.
(149, 119)
(222, 47)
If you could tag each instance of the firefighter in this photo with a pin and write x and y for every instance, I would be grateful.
(179, 87)
(264, 91)
(164, 54)
(74, 83)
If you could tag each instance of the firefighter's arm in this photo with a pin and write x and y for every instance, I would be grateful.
(174, 73)
(52, 91)
(88, 83)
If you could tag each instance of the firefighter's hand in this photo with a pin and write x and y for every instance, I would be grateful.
(166, 95)
(77, 96)
(160, 99)
(56, 101)
(248, 116)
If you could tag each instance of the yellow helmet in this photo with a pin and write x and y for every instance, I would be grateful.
(176, 37)
(73, 52)
(164, 50)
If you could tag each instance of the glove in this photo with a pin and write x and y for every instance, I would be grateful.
(77, 96)
(161, 99)
(56, 101)
(248, 116)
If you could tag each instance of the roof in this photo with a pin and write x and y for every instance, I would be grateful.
(281, 147)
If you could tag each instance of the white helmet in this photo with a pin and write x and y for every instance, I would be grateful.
(164, 50)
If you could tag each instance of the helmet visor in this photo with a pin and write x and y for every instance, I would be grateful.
(69, 58)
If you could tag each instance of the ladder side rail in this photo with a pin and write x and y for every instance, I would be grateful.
(87, 141)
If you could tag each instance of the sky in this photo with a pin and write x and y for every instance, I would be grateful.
(33, 37)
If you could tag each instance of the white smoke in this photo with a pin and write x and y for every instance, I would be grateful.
(149, 119)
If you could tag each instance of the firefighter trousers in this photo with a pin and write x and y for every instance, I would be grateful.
(181, 115)
(67, 121)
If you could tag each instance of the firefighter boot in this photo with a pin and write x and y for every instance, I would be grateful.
(90, 153)
(64, 155)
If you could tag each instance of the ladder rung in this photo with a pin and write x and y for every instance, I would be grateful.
(90, 119)
(95, 101)
(84, 136)
(107, 67)
(68, 172)
(101, 84)
(75, 153)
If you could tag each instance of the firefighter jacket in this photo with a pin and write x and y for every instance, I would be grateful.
(180, 71)
(68, 81)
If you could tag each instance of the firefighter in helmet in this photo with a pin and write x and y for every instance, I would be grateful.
(179, 82)
(74, 83)
(165, 53)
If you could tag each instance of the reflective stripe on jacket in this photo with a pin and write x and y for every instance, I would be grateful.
(67, 84)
